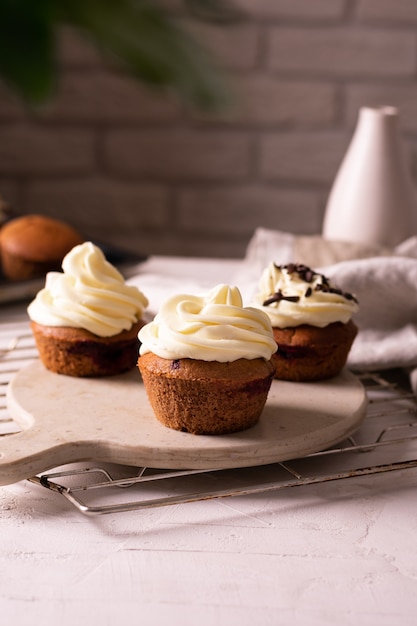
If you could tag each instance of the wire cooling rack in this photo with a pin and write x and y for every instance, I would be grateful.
(385, 442)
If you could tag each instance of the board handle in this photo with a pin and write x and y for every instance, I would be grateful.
(27, 453)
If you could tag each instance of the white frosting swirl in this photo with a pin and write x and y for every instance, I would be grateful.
(292, 295)
(90, 294)
(214, 327)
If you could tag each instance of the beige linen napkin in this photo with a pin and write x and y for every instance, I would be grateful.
(384, 281)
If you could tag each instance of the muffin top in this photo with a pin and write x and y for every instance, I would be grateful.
(294, 294)
(39, 238)
(90, 293)
(212, 327)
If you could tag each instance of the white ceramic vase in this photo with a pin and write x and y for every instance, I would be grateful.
(372, 200)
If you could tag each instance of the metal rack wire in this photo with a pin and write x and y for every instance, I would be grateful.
(385, 442)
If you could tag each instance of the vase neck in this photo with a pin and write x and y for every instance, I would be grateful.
(379, 116)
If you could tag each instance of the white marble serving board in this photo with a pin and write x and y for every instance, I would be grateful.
(66, 419)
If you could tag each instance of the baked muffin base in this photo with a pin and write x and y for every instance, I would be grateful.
(308, 353)
(77, 352)
(16, 268)
(206, 397)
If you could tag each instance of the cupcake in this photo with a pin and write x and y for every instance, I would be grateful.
(32, 245)
(86, 319)
(311, 321)
(206, 362)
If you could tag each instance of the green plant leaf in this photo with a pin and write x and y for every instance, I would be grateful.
(151, 44)
(141, 34)
(27, 49)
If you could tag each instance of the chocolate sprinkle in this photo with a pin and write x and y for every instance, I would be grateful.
(307, 275)
(278, 296)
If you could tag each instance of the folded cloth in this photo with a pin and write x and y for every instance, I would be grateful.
(383, 280)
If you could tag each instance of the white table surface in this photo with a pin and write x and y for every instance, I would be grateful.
(341, 552)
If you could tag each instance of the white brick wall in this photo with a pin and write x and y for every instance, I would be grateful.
(141, 170)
